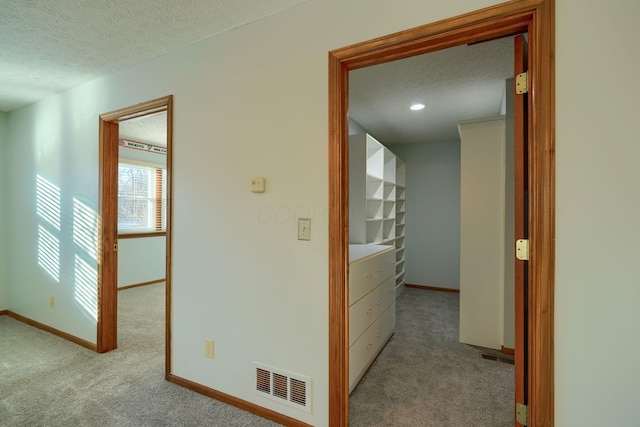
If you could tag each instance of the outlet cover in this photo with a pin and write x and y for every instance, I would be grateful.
(208, 348)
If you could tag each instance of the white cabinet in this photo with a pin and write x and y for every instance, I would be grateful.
(482, 213)
(372, 278)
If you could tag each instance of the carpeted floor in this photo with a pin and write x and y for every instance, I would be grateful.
(425, 377)
(47, 381)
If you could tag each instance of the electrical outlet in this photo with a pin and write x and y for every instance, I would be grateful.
(208, 348)
(52, 301)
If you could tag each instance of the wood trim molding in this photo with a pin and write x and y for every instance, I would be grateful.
(51, 330)
(432, 288)
(107, 238)
(4, 312)
(238, 403)
(508, 351)
(141, 235)
(338, 244)
(169, 240)
(137, 285)
(107, 211)
(138, 110)
(537, 17)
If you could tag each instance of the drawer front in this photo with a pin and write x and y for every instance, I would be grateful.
(362, 314)
(362, 279)
(385, 265)
(366, 275)
(385, 295)
(385, 325)
(361, 353)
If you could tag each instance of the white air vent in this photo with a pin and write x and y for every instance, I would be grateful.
(282, 386)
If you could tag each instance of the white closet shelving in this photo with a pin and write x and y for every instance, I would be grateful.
(376, 250)
(400, 225)
(372, 192)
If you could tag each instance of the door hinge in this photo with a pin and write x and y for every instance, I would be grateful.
(522, 83)
(522, 249)
(522, 414)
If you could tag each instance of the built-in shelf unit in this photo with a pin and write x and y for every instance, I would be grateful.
(376, 249)
(400, 222)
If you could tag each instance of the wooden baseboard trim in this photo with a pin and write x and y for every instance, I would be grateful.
(53, 331)
(4, 312)
(137, 285)
(432, 288)
(238, 403)
(509, 351)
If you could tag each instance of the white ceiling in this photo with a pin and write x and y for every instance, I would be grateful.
(49, 47)
(460, 83)
(151, 129)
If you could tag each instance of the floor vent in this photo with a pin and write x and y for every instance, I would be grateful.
(282, 386)
(497, 358)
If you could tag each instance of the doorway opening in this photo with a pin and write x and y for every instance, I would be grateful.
(467, 89)
(107, 333)
(499, 21)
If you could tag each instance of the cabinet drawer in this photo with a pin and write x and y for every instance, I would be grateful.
(362, 314)
(385, 295)
(385, 325)
(367, 274)
(368, 308)
(361, 353)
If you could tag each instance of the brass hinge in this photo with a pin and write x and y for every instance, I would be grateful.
(522, 249)
(522, 414)
(522, 83)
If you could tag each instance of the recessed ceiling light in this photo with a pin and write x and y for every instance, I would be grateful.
(417, 106)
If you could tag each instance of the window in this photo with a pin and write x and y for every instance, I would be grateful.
(142, 198)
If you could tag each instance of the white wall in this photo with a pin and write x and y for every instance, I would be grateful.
(235, 253)
(355, 127)
(433, 213)
(4, 177)
(141, 260)
(598, 206)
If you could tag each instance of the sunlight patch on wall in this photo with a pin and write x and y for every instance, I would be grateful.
(48, 201)
(85, 289)
(48, 208)
(49, 253)
(85, 228)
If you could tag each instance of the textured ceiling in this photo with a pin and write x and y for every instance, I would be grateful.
(460, 83)
(47, 47)
(50, 46)
(151, 129)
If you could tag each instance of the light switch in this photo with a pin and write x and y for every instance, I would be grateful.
(257, 185)
(304, 228)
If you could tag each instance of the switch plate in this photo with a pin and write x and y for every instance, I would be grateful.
(208, 348)
(257, 185)
(52, 301)
(304, 228)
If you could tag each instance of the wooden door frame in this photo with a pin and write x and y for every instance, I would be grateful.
(537, 18)
(107, 328)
